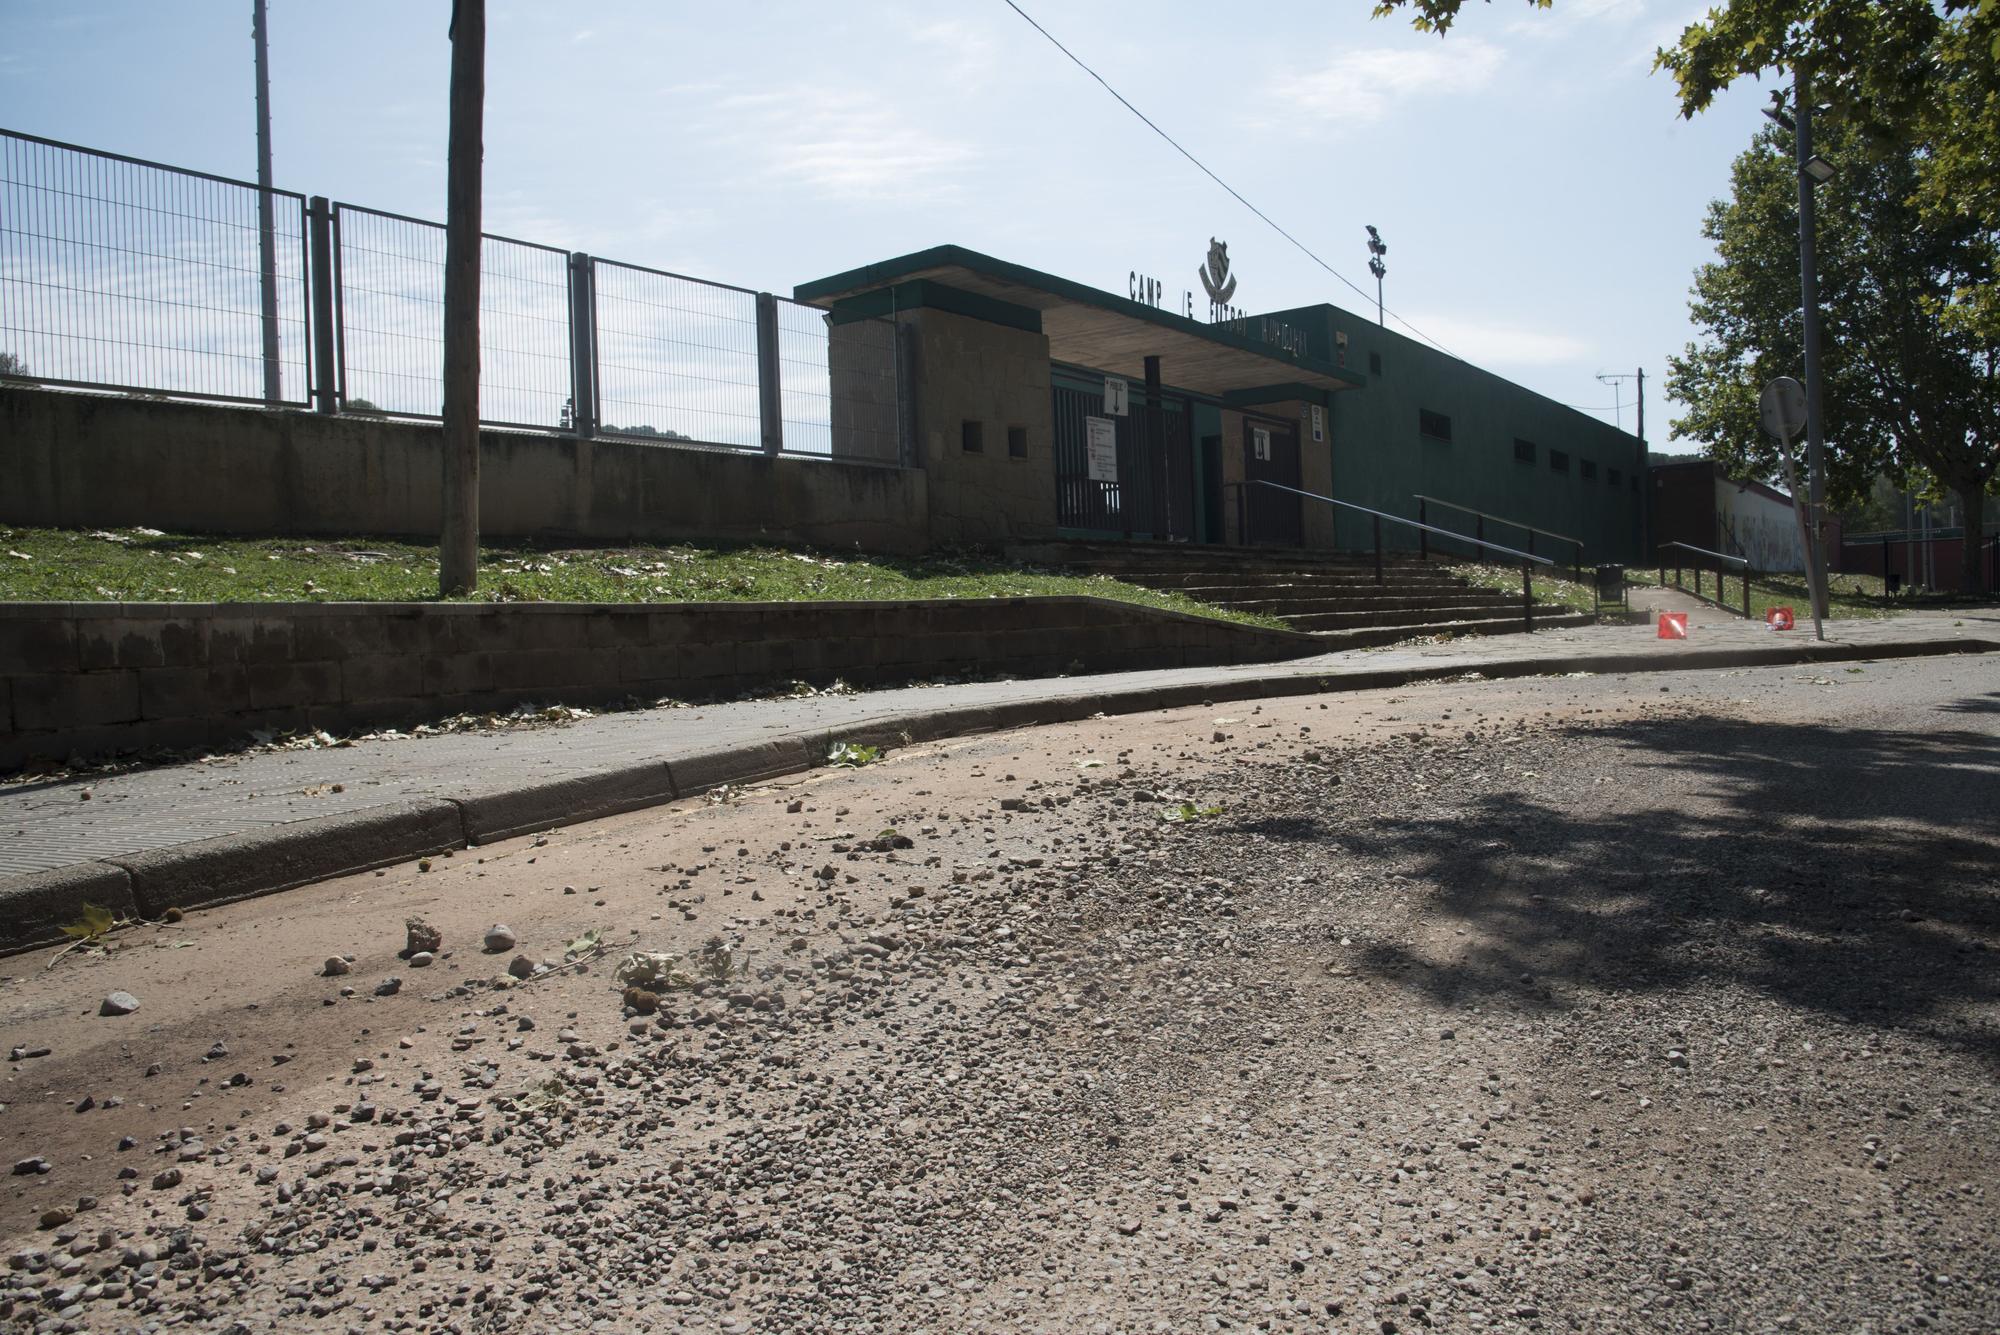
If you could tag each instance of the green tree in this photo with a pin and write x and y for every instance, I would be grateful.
(1902, 388)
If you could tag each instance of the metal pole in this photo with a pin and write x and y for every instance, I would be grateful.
(1809, 301)
(1378, 301)
(1378, 548)
(267, 257)
(1746, 593)
(319, 225)
(1423, 535)
(582, 348)
(770, 391)
(1528, 598)
(1645, 482)
(458, 544)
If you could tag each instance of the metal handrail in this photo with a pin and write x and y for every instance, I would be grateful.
(1398, 519)
(1528, 559)
(1479, 530)
(1703, 551)
(1722, 557)
(1498, 519)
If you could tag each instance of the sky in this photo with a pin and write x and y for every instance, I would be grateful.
(1540, 196)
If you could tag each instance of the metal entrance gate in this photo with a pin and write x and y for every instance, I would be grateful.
(1152, 494)
(1271, 454)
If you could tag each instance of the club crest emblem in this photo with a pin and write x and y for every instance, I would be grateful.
(1215, 276)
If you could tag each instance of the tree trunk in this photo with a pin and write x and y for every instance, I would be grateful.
(1971, 551)
(458, 546)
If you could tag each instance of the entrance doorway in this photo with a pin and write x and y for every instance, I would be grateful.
(1271, 454)
(1143, 486)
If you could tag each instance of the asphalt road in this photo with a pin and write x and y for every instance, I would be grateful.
(1660, 1002)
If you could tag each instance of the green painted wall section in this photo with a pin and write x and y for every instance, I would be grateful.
(1382, 459)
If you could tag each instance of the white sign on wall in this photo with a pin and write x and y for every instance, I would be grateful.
(1117, 396)
(1260, 442)
(1100, 448)
(1319, 423)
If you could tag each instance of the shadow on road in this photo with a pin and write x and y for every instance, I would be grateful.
(1847, 871)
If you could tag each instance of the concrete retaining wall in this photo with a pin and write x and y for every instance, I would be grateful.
(71, 460)
(103, 677)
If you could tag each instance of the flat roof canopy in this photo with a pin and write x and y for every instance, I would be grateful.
(1087, 326)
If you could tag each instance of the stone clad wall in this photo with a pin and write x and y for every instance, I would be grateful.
(102, 677)
(974, 370)
(103, 461)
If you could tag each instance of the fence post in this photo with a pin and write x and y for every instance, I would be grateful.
(1423, 534)
(319, 229)
(1378, 548)
(1746, 593)
(770, 396)
(582, 346)
(1697, 579)
(1578, 565)
(1527, 598)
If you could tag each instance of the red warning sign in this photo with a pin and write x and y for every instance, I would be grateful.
(1779, 618)
(1673, 625)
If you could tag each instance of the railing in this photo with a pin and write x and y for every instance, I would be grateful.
(1528, 559)
(130, 276)
(1479, 530)
(1688, 556)
(117, 273)
(1891, 539)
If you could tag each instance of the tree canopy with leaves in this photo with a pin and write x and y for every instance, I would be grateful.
(1902, 389)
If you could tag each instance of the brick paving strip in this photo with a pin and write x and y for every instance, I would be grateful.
(207, 832)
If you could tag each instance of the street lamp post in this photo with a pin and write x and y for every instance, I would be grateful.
(1812, 171)
(1376, 250)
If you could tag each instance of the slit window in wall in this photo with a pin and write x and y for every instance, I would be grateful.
(972, 437)
(1374, 363)
(1588, 469)
(1558, 461)
(1435, 425)
(1524, 450)
(1612, 477)
(1017, 442)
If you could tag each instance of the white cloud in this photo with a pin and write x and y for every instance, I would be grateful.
(1491, 345)
(1356, 87)
(845, 144)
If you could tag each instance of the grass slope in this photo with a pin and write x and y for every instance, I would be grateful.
(145, 565)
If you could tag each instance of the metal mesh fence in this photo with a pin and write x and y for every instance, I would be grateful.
(676, 357)
(839, 383)
(121, 274)
(390, 281)
(117, 273)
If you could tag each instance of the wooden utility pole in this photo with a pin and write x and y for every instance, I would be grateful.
(458, 546)
(267, 263)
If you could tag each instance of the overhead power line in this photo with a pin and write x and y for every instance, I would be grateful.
(1234, 193)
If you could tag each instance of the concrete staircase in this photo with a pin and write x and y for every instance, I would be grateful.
(1334, 596)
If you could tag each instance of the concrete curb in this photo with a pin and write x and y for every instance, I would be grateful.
(237, 866)
(34, 907)
(217, 871)
(491, 817)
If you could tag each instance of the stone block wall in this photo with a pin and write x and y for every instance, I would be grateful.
(996, 378)
(96, 678)
(70, 460)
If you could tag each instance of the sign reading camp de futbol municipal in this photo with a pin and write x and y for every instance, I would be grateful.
(1220, 285)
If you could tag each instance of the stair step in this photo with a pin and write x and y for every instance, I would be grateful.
(1370, 636)
(1412, 616)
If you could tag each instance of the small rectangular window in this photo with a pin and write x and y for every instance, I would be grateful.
(1558, 461)
(1612, 477)
(1435, 425)
(1017, 442)
(1524, 450)
(1374, 363)
(972, 437)
(1588, 468)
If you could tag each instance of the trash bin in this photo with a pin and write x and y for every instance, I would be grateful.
(1610, 586)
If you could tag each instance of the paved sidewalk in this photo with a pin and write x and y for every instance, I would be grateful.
(510, 781)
